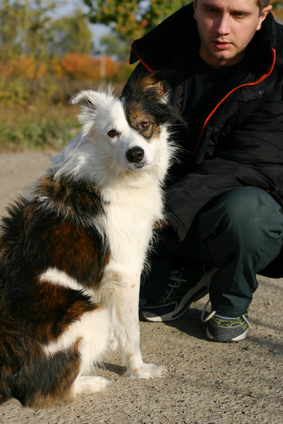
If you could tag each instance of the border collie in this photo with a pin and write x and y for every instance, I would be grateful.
(71, 256)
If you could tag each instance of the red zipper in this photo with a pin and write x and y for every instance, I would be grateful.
(232, 91)
(143, 62)
(148, 69)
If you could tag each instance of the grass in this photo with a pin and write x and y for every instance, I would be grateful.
(34, 127)
(43, 125)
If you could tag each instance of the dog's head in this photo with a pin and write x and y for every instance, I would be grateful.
(130, 133)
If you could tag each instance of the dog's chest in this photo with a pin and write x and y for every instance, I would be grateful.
(129, 219)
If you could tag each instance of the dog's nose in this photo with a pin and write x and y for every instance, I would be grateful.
(135, 155)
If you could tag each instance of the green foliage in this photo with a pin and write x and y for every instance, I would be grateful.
(131, 19)
(43, 125)
(37, 30)
(71, 34)
(37, 127)
(30, 41)
(27, 28)
(12, 18)
(21, 91)
(16, 89)
(115, 46)
(160, 9)
(277, 9)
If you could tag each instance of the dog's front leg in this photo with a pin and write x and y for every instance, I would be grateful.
(127, 330)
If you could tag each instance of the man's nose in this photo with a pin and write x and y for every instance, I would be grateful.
(223, 24)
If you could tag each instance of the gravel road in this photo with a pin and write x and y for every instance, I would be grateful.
(207, 382)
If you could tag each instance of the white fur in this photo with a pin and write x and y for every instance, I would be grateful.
(133, 204)
(92, 331)
(54, 276)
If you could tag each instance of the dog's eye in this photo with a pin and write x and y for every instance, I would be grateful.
(143, 126)
(113, 133)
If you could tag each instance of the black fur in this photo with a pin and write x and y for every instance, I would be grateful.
(55, 233)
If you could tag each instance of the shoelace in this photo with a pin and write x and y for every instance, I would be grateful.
(211, 315)
(175, 276)
(204, 311)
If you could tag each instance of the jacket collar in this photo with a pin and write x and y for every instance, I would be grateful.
(176, 34)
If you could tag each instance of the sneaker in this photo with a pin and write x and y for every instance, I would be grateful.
(186, 287)
(226, 329)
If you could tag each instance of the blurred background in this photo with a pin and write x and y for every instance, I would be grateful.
(50, 50)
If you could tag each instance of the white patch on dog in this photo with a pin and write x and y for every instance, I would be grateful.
(88, 385)
(54, 276)
(92, 330)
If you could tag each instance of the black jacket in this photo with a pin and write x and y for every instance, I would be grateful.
(241, 142)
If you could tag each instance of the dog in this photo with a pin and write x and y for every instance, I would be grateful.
(72, 254)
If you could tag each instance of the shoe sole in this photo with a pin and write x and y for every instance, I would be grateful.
(234, 339)
(189, 298)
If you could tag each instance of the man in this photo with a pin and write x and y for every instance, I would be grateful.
(223, 61)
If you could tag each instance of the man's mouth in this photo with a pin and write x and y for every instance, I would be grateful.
(222, 45)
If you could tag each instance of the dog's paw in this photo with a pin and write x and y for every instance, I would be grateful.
(147, 371)
(90, 384)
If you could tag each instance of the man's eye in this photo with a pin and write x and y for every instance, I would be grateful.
(239, 14)
(143, 126)
(113, 133)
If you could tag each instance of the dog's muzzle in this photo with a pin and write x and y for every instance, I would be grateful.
(135, 155)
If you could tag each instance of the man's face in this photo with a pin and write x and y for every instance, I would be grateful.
(226, 27)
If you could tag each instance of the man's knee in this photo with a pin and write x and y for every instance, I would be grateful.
(246, 214)
(254, 210)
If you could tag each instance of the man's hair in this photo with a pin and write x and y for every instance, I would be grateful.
(261, 3)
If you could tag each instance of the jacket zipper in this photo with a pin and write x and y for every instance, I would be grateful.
(263, 77)
(147, 68)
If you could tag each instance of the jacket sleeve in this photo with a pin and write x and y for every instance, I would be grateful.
(251, 154)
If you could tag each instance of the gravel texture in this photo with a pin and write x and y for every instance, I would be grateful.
(207, 382)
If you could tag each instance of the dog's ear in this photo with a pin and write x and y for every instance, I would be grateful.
(84, 97)
(151, 82)
(148, 85)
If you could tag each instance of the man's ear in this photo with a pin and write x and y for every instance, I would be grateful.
(194, 6)
(265, 11)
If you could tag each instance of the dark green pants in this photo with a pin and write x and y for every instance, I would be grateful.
(240, 233)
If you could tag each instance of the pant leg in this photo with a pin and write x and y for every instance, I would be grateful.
(241, 233)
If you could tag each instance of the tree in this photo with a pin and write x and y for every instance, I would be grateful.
(12, 20)
(277, 10)
(71, 34)
(131, 19)
(38, 28)
(38, 35)
(114, 46)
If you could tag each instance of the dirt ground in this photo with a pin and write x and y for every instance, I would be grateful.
(207, 382)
